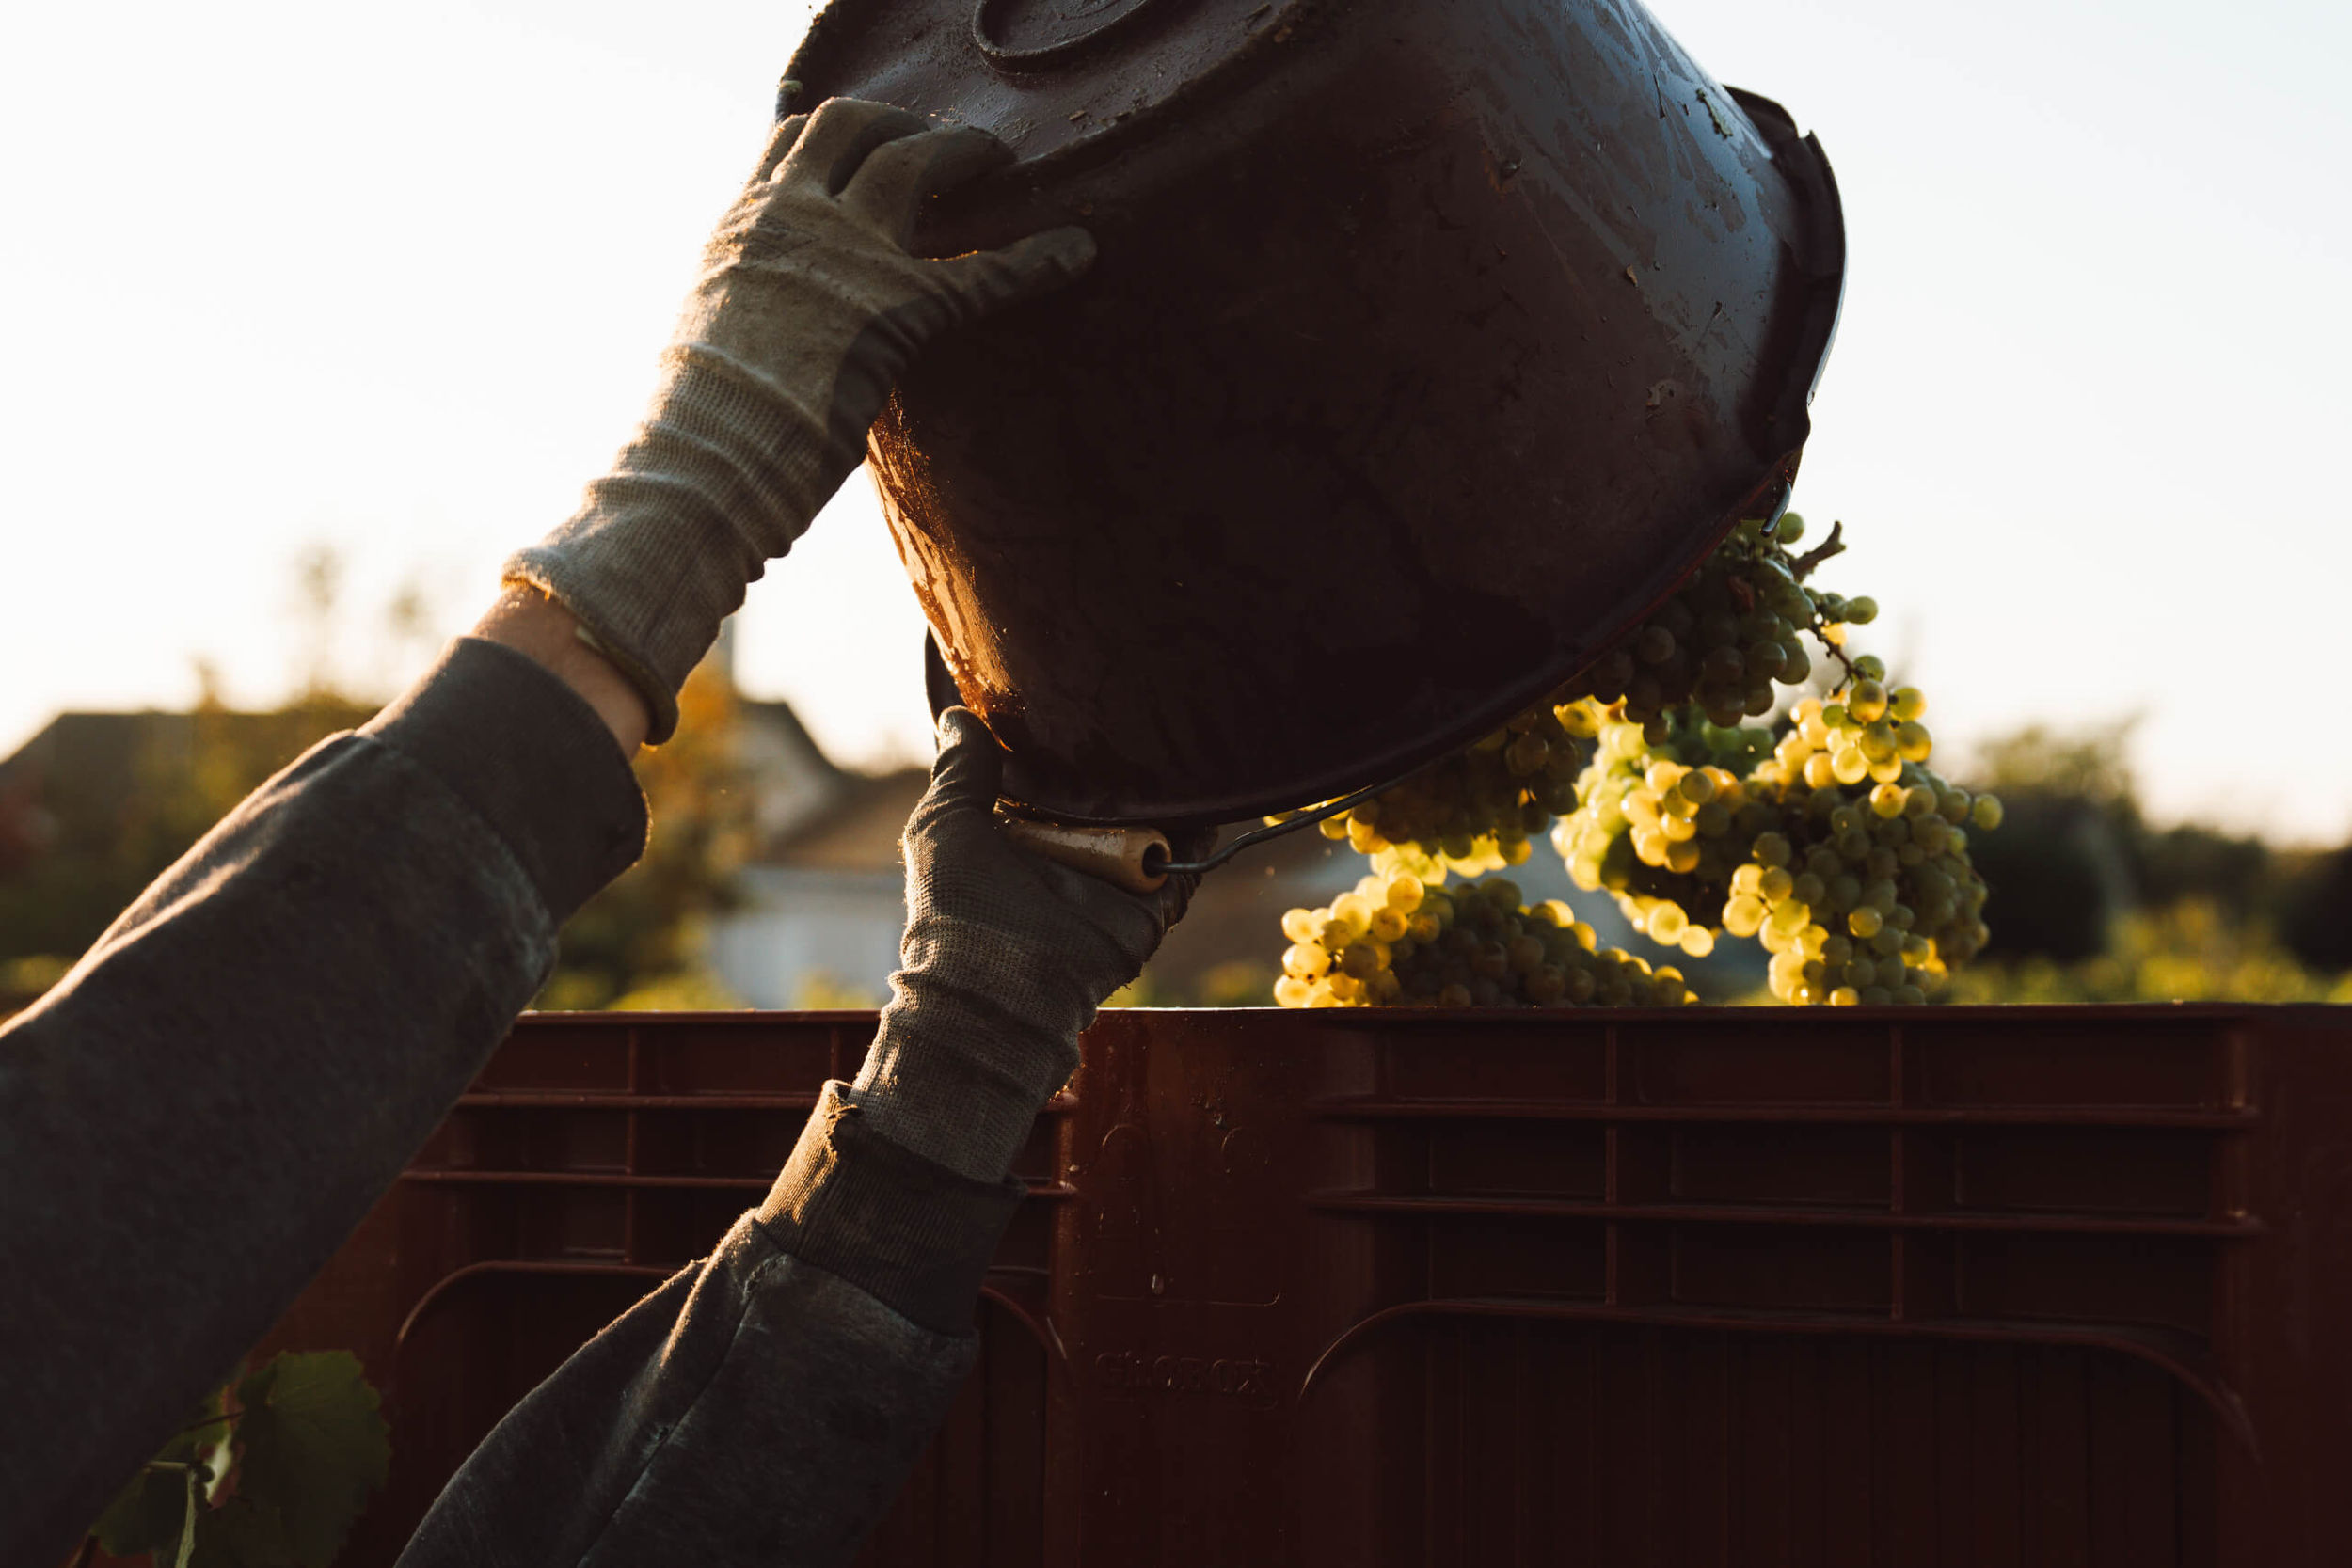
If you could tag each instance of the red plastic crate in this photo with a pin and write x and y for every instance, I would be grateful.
(1721, 1287)
(595, 1156)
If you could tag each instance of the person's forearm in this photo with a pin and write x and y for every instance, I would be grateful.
(201, 1110)
(529, 622)
(763, 1408)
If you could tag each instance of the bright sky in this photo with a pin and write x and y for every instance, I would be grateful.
(274, 274)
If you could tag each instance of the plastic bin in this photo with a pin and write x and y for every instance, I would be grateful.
(1721, 1287)
(596, 1155)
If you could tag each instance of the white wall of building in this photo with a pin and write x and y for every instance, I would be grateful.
(803, 924)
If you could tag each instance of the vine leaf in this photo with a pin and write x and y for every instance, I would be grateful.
(240, 1533)
(315, 1446)
(150, 1513)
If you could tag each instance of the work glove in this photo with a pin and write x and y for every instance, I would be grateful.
(807, 306)
(1007, 955)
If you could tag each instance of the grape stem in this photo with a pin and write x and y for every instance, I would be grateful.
(1835, 544)
(1802, 566)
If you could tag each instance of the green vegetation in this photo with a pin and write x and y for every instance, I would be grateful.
(2190, 950)
(2092, 904)
(270, 1471)
(636, 945)
(128, 794)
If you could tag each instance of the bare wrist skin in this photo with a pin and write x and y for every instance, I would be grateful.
(529, 622)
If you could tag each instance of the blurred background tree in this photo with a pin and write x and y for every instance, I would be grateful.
(639, 945)
(2092, 904)
(99, 804)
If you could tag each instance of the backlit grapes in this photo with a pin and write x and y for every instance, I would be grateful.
(1670, 776)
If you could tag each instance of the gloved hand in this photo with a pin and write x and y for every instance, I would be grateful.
(1007, 957)
(807, 306)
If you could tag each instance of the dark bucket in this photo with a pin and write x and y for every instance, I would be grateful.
(1430, 344)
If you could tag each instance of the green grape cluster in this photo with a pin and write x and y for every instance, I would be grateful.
(1663, 827)
(1474, 812)
(1855, 878)
(1719, 644)
(1867, 893)
(1728, 636)
(1396, 940)
(1825, 836)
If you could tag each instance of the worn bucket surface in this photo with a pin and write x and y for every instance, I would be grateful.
(1429, 345)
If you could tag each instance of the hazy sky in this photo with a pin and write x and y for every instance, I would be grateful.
(278, 273)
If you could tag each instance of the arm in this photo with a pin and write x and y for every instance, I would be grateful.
(765, 1405)
(275, 1025)
(266, 1035)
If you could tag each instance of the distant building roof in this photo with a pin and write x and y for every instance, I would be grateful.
(84, 774)
(859, 832)
(793, 782)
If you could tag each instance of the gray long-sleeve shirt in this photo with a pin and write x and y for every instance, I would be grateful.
(196, 1116)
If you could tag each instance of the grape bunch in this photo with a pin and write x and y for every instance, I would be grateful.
(1664, 827)
(1823, 833)
(1730, 634)
(1841, 851)
(1474, 812)
(1720, 642)
(1396, 940)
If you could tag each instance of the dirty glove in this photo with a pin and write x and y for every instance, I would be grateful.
(1007, 957)
(807, 307)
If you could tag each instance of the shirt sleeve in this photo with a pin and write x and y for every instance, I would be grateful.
(765, 1405)
(196, 1116)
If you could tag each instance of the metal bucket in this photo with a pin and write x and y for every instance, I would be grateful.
(1430, 344)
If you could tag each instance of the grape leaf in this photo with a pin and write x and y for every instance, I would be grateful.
(241, 1533)
(150, 1513)
(146, 1516)
(314, 1446)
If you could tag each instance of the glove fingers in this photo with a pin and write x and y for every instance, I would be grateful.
(987, 280)
(781, 140)
(838, 138)
(889, 190)
(968, 772)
